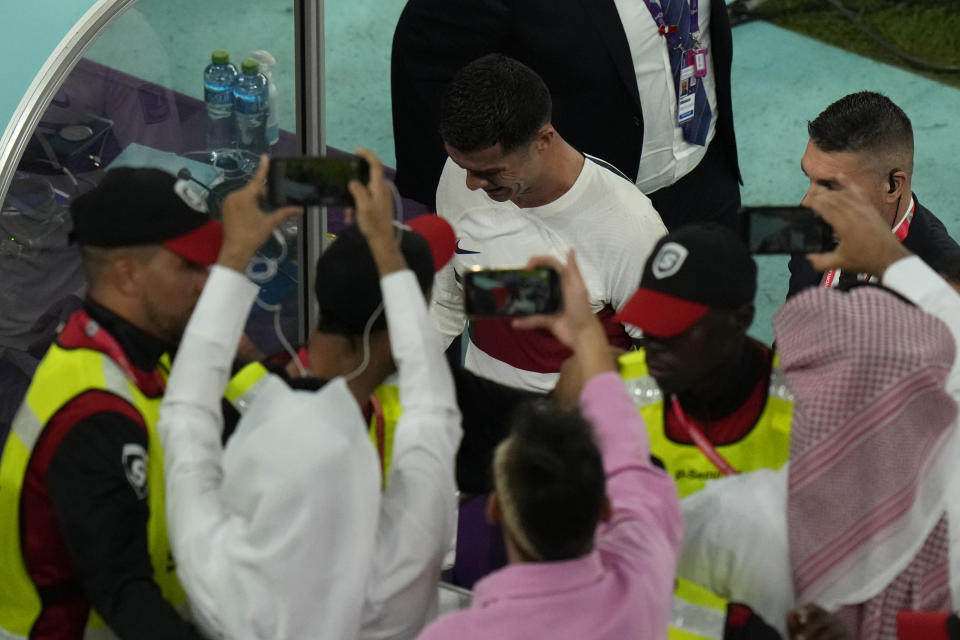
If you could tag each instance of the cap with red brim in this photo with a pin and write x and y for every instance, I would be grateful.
(202, 245)
(659, 314)
(439, 234)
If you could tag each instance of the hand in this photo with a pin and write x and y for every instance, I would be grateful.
(373, 214)
(373, 210)
(246, 227)
(576, 326)
(567, 390)
(865, 243)
(811, 622)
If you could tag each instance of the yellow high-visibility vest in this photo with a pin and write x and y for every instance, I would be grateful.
(766, 446)
(62, 375)
(698, 613)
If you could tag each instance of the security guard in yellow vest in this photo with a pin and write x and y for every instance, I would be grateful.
(712, 398)
(83, 543)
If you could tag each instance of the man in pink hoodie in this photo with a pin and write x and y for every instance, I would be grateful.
(591, 526)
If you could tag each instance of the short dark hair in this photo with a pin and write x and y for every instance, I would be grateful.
(347, 284)
(550, 482)
(866, 122)
(494, 99)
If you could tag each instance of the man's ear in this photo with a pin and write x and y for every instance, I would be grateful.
(896, 183)
(494, 515)
(545, 137)
(126, 273)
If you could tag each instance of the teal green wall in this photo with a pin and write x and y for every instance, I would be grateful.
(31, 31)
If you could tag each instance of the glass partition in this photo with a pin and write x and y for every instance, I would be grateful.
(137, 99)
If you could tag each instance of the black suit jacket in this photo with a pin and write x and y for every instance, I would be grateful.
(578, 47)
(928, 239)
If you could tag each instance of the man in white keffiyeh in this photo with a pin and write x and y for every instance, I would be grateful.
(864, 520)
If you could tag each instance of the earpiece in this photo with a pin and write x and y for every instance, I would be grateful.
(893, 184)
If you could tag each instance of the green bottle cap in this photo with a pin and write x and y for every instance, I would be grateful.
(249, 65)
(220, 56)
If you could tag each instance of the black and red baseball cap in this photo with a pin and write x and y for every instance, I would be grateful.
(690, 271)
(141, 206)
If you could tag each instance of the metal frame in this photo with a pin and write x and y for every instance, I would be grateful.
(311, 127)
(49, 80)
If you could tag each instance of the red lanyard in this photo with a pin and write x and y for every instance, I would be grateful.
(699, 439)
(380, 426)
(901, 231)
(109, 345)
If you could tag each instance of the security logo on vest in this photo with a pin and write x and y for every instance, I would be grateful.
(135, 466)
(669, 260)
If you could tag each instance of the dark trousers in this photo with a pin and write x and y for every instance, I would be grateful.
(709, 193)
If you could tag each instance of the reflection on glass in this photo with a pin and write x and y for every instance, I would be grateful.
(137, 99)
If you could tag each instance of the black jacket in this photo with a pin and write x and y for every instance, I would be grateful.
(928, 239)
(579, 48)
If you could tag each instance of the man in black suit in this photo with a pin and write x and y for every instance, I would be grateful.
(870, 139)
(609, 75)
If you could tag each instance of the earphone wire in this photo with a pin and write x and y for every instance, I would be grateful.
(367, 329)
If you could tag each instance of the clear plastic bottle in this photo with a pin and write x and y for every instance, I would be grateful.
(251, 106)
(218, 80)
(267, 62)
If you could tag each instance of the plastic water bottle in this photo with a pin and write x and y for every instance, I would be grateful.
(267, 62)
(218, 80)
(251, 105)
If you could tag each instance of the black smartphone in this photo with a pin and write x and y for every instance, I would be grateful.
(312, 180)
(508, 293)
(777, 229)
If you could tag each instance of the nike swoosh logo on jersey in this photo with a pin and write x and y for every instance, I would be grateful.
(463, 252)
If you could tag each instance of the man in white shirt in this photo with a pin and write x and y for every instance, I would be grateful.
(285, 533)
(513, 188)
(613, 75)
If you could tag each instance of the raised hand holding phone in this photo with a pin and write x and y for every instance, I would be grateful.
(246, 226)
(509, 293)
(576, 326)
(373, 213)
(865, 243)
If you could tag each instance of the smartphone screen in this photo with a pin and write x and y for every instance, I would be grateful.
(784, 230)
(511, 292)
(311, 180)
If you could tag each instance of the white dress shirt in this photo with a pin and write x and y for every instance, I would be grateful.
(666, 156)
(285, 534)
(735, 530)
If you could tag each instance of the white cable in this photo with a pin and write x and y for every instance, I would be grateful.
(366, 344)
(271, 268)
(275, 308)
(398, 223)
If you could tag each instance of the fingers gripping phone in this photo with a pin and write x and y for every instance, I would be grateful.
(312, 180)
(784, 230)
(508, 293)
